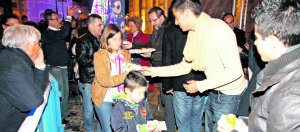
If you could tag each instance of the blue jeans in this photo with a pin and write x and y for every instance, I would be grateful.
(216, 105)
(61, 75)
(188, 111)
(87, 106)
(169, 117)
(104, 113)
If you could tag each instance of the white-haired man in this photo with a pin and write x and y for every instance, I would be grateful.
(23, 77)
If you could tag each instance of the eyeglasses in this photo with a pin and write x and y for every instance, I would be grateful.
(155, 19)
(56, 19)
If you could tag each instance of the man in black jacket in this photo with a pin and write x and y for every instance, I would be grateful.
(239, 34)
(240, 38)
(86, 46)
(56, 53)
(23, 77)
(188, 108)
(157, 19)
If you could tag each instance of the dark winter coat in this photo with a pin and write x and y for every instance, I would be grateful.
(275, 104)
(21, 88)
(86, 46)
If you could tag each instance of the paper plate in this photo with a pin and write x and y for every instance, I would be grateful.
(140, 51)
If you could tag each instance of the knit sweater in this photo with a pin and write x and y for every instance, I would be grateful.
(211, 48)
(54, 45)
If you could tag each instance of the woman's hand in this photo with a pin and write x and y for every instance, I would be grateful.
(127, 44)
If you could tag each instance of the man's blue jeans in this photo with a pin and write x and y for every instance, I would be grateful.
(61, 75)
(169, 117)
(188, 111)
(104, 113)
(216, 105)
(87, 106)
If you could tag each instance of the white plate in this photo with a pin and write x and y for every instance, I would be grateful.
(161, 125)
(139, 51)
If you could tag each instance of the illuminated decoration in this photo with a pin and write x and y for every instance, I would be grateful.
(111, 11)
(140, 8)
(35, 8)
(116, 11)
(240, 12)
(100, 7)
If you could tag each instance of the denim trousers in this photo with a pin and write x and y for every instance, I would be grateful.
(169, 117)
(87, 106)
(103, 114)
(61, 75)
(216, 105)
(188, 111)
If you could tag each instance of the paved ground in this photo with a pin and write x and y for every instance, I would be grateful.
(75, 119)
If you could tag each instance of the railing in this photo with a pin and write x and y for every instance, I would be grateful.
(47, 117)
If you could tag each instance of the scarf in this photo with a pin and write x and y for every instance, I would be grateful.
(274, 66)
(117, 67)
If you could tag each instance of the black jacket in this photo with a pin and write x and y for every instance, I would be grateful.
(255, 65)
(1, 35)
(172, 53)
(240, 37)
(156, 42)
(241, 40)
(21, 88)
(86, 46)
(54, 46)
(275, 104)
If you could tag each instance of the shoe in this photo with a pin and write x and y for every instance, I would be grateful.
(64, 121)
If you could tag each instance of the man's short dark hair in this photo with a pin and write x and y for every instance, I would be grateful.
(227, 14)
(5, 17)
(171, 17)
(280, 18)
(193, 5)
(48, 14)
(92, 17)
(158, 11)
(135, 79)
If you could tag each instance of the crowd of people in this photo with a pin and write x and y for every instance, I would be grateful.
(205, 69)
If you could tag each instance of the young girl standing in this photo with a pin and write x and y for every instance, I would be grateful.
(110, 71)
